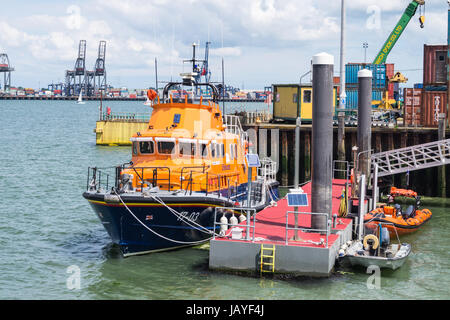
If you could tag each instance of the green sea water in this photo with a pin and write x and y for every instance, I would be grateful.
(49, 233)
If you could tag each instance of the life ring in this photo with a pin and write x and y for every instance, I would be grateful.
(372, 237)
(151, 94)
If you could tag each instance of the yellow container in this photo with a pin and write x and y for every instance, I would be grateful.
(293, 100)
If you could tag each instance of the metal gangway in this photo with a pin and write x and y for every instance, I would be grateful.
(421, 156)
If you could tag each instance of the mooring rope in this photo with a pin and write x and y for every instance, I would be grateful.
(156, 233)
(182, 217)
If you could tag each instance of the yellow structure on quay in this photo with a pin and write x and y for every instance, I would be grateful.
(117, 129)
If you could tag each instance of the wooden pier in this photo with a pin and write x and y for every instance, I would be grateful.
(428, 182)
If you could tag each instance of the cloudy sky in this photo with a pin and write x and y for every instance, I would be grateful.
(262, 41)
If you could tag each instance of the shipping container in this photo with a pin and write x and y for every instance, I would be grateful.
(351, 101)
(293, 100)
(391, 88)
(436, 87)
(336, 80)
(389, 71)
(434, 102)
(379, 80)
(413, 109)
(434, 64)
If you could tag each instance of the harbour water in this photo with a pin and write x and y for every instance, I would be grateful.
(49, 233)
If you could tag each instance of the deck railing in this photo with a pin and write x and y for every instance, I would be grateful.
(296, 228)
(338, 166)
(102, 179)
(126, 117)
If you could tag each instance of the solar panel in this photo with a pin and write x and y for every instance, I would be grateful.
(297, 199)
(253, 160)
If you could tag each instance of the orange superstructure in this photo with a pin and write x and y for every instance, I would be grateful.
(189, 146)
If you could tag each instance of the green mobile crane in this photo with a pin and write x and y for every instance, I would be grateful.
(398, 30)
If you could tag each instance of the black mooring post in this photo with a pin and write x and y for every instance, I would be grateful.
(322, 140)
(364, 137)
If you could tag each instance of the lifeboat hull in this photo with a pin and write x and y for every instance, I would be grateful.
(146, 225)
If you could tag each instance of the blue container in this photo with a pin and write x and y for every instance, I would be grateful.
(435, 88)
(418, 86)
(352, 97)
(378, 75)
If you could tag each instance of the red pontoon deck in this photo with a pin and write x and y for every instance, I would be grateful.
(310, 253)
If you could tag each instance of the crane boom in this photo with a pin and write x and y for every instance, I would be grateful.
(398, 30)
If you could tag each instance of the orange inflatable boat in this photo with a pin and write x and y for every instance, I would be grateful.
(404, 222)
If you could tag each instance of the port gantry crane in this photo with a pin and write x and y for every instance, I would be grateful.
(99, 69)
(75, 78)
(6, 69)
(399, 28)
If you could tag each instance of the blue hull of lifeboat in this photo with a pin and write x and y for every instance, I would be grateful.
(152, 227)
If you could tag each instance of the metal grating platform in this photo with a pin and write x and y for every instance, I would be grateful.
(416, 157)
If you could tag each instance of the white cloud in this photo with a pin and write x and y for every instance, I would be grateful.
(227, 51)
(270, 33)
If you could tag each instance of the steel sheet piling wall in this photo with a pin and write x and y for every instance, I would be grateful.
(364, 120)
(322, 139)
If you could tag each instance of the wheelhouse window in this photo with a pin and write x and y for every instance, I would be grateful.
(146, 147)
(135, 148)
(187, 148)
(218, 150)
(166, 147)
(213, 150)
(233, 154)
(203, 150)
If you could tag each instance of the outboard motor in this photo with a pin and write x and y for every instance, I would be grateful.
(385, 239)
(409, 212)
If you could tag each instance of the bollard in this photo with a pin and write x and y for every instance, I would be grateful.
(322, 140)
(341, 144)
(297, 152)
(364, 120)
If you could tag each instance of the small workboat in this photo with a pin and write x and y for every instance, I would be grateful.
(375, 249)
(404, 221)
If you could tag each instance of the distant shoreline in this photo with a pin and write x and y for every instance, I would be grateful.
(106, 99)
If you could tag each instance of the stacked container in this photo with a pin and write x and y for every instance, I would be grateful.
(435, 93)
(434, 102)
(381, 73)
(412, 112)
